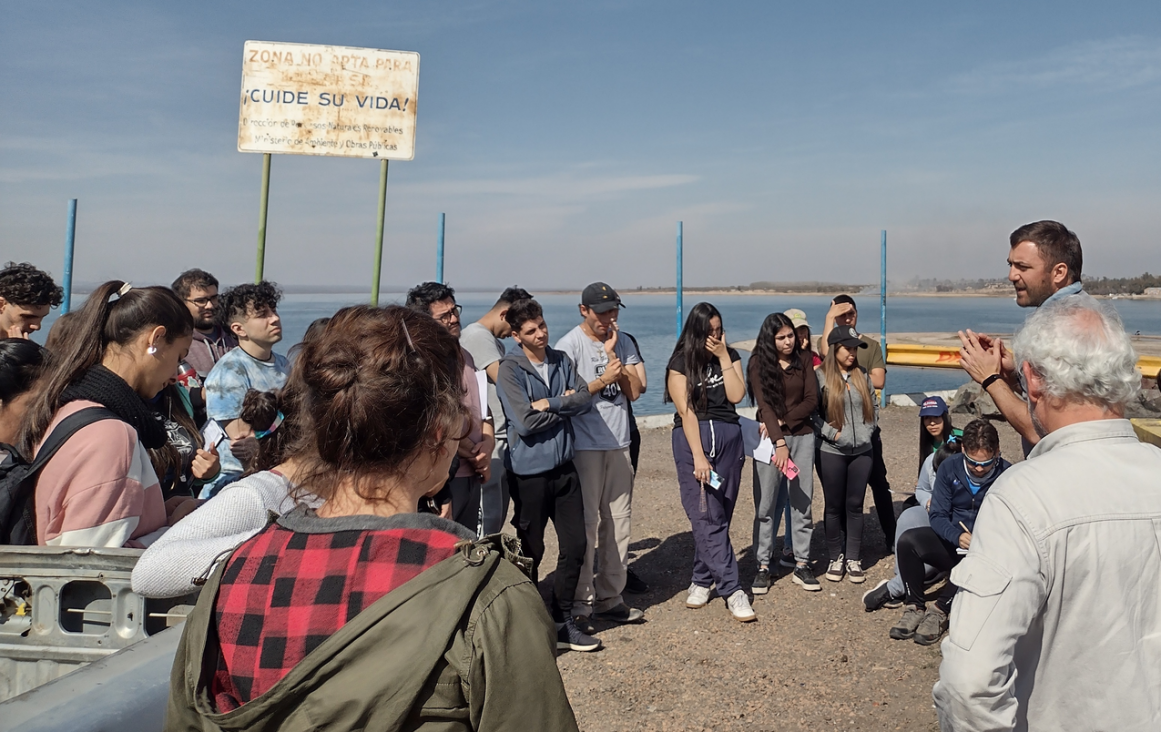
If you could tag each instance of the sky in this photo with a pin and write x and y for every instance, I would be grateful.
(564, 141)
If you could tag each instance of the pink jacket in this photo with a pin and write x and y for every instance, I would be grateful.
(99, 489)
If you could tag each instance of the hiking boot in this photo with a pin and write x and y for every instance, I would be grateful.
(634, 585)
(787, 559)
(585, 624)
(622, 614)
(855, 572)
(905, 628)
(879, 597)
(740, 608)
(761, 583)
(931, 628)
(698, 597)
(834, 570)
(805, 579)
(570, 638)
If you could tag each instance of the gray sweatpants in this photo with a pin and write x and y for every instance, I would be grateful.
(771, 491)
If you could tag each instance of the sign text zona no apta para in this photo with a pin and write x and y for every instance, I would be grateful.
(328, 100)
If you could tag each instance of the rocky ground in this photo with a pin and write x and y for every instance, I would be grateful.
(811, 661)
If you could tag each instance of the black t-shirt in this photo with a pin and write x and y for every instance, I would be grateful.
(717, 406)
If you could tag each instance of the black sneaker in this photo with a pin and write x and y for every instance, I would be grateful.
(761, 583)
(622, 614)
(570, 638)
(879, 597)
(805, 579)
(584, 624)
(634, 585)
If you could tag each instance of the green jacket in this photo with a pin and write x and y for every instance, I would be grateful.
(466, 645)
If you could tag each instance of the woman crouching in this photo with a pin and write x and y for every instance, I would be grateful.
(365, 614)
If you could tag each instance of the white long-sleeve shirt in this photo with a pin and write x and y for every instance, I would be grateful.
(169, 566)
(1057, 624)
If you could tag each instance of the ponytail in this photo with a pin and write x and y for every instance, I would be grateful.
(115, 313)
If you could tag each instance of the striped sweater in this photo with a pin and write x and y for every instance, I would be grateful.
(99, 489)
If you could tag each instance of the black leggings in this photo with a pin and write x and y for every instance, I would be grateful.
(920, 546)
(556, 495)
(844, 486)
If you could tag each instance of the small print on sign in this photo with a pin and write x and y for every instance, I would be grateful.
(328, 100)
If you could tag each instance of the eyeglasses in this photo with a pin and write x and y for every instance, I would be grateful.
(450, 315)
(202, 302)
(977, 464)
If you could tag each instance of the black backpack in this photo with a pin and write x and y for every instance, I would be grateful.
(18, 477)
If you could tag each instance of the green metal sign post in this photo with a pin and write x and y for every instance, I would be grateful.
(262, 204)
(379, 234)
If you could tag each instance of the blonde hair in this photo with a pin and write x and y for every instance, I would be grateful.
(836, 390)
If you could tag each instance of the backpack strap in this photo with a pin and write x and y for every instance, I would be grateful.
(67, 427)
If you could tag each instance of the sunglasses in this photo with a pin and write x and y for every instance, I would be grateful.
(978, 464)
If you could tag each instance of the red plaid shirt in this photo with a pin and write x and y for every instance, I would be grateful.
(285, 592)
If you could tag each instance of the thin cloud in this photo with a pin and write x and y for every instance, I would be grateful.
(1114, 63)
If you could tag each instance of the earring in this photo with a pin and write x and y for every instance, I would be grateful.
(152, 350)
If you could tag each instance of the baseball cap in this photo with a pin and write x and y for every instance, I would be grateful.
(797, 317)
(600, 298)
(933, 407)
(845, 335)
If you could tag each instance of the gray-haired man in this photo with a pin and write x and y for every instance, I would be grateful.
(1057, 624)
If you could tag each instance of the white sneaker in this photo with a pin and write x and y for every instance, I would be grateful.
(698, 597)
(836, 569)
(740, 608)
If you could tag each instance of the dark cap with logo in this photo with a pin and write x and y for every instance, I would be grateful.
(845, 335)
(600, 298)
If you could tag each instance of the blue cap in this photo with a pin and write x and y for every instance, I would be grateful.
(933, 407)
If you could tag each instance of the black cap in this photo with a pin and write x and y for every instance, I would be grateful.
(845, 335)
(600, 298)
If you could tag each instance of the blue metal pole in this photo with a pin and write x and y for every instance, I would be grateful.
(439, 249)
(70, 242)
(680, 307)
(883, 302)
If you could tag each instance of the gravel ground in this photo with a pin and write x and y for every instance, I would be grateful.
(812, 660)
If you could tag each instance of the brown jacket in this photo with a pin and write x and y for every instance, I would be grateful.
(800, 392)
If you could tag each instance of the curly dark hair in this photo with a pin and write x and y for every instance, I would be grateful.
(421, 297)
(521, 311)
(25, 285)
(241, 300)
(769, 365)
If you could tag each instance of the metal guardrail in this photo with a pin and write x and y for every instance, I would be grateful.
(127, 690)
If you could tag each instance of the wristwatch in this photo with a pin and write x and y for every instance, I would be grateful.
(989, 381)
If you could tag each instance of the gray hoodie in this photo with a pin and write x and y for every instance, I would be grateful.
(540, 441)
(855, 437)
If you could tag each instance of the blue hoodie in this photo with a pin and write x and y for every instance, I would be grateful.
(540, 441)
(952, 501)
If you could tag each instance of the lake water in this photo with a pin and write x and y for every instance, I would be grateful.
(652, 320)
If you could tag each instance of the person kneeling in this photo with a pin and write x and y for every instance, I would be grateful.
(960, 487)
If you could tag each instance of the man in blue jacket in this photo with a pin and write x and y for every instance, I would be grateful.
(540, 389)
(960, 487)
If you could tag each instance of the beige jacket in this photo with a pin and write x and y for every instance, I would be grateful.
(1057, 624)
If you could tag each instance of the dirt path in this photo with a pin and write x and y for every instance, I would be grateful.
(813, 660)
